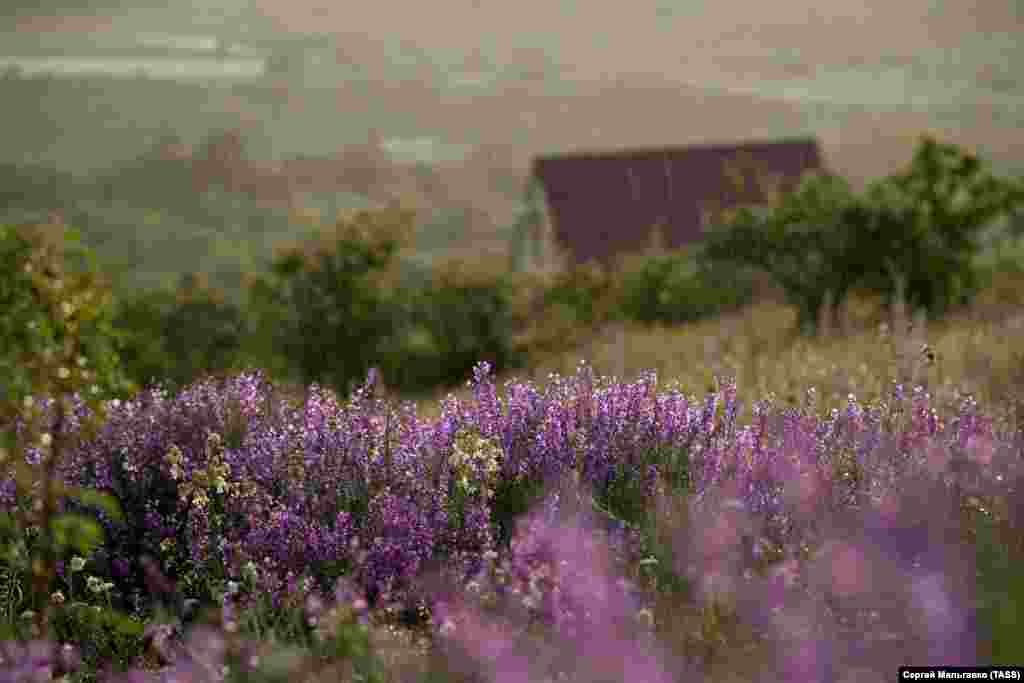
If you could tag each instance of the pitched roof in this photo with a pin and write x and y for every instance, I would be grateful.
(603, 204)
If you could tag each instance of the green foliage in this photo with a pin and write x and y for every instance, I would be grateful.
(798, 244)
(916, 231)
(553, 311)
(329, 311)
(335, 643)
(624, 499)
(1003, 250)
(146, 359)
(330, 308)
(15, 586)
(949, 192)
(548, 321)
(1001, 587)
(460, 317)
(181, 336)
(58, 340)
(943, 201)
(586, 292)
(675, 287)
(55, 318)
(103, 635)
(513, 498)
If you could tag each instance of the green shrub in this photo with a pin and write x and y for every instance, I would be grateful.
(48, 302)
(587, 293)
(798, 243)
(177, 337)
(462, 316)
(57, 339)
(675, 287)
(540, 326)
(330, 310)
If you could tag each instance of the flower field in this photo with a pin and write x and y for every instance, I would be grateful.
(584, 529)
(748, 494)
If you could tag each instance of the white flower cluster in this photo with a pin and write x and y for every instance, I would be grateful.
(471, 453)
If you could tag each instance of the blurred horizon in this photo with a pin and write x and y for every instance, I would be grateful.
(451, 100)
(919, 64)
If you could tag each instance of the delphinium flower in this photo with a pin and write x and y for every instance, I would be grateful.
(488, 413)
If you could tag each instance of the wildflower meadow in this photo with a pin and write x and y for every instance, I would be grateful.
(753, 505)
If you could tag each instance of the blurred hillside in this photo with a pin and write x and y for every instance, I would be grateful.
(444, 110)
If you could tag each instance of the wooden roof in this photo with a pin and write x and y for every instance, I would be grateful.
(603, 204)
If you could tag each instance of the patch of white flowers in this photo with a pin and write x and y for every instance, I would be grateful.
(472, 454)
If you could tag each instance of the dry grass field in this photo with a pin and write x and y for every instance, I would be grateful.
(977, 350)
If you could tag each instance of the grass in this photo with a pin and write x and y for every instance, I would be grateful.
(973, 352)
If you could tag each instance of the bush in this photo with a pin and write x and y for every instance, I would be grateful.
(462, 316)
(798, 243)
(916, 231)
(49, 301)
(676, 287)
(588, 293)
(177, 337)
(57, 339)
(330, 310)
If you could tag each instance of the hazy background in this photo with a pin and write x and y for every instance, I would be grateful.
(470, 91)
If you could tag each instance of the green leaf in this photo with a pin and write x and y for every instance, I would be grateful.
(102, 500)
(79, 531)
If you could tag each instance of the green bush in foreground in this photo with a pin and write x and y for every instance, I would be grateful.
(58, 338)
(55, 316)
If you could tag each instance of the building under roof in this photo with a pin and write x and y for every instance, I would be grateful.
(602, 205)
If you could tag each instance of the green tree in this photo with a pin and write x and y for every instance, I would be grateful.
(329, 309)
(943, 202)
(798, 243)
(919, 228)
(676, 287)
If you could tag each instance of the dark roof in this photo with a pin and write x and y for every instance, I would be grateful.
(603, 204)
